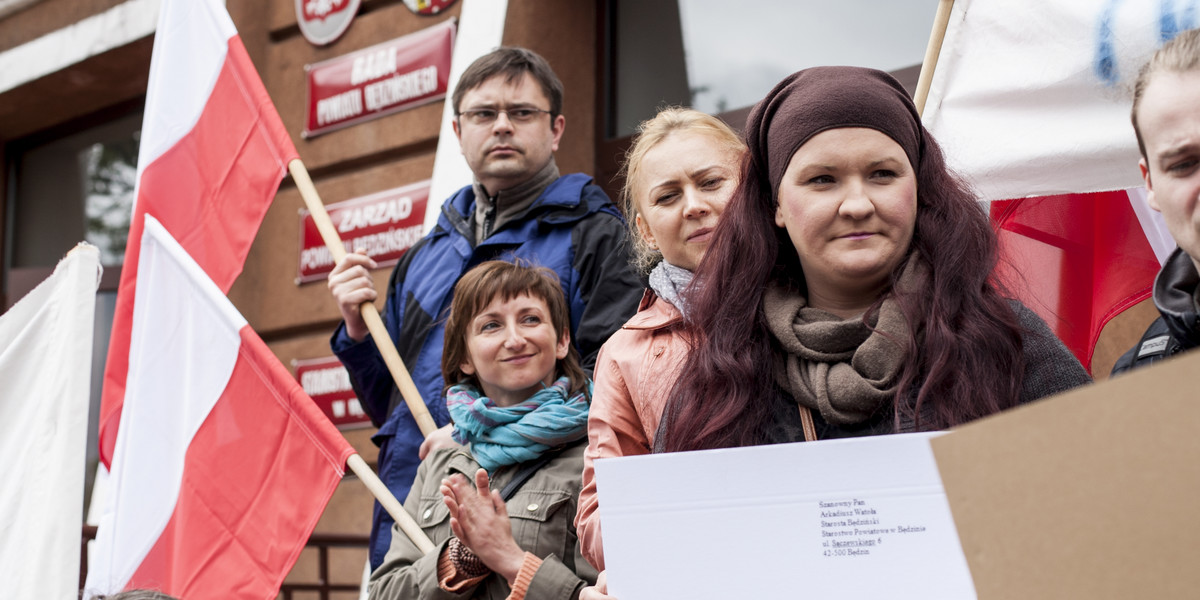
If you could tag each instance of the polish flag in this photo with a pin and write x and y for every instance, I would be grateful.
(213, 151)
(223, 464)
(1079, 260)
(1030, 101)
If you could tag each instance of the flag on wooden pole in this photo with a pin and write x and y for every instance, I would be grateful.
(220, 464)
(223, 464)
(1030, 101)
(213, 151)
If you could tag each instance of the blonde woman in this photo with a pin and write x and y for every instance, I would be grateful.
(679, 175)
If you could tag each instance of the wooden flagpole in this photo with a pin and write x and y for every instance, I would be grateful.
(940, 21)
(370, 314)
(391, 357)
(390, 503)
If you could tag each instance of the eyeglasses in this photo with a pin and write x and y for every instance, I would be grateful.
(487, 116)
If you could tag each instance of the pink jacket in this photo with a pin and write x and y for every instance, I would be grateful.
(635, 372)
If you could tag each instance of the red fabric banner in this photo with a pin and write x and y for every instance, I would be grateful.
(1077, 260)
(257, 475)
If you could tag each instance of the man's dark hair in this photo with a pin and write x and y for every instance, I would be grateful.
(512, 62)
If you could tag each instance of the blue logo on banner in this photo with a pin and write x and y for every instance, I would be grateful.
(1172, 19)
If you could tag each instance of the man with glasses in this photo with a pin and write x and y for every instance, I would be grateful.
(509, 123)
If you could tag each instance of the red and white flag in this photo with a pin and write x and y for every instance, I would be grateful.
(213, 151)
(1031, 100)
(223, 464)
(220, 464)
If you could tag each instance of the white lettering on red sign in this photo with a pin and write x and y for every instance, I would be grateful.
(373, 66)
(319, 256)
(388, 241)
(342, 106)
(400, 88)
(375, 244)
(392, 211)
(339, 408)
(325, 381)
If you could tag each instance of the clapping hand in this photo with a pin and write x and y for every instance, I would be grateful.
(479, 520)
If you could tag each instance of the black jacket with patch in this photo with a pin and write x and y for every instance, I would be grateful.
(1174, 331)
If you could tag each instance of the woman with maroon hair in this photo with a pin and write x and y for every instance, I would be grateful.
(847, 289)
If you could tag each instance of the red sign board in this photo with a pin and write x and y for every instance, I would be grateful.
(323, 21)
(379, 80)
(326, 380)
(386, 224)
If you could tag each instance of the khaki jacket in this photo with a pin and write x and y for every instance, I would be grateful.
(542, 512)
(634, 374)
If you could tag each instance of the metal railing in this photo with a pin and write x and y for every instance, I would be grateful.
(321, 541)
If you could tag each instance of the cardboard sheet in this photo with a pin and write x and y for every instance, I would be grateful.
(1093, 494)
(860, 518)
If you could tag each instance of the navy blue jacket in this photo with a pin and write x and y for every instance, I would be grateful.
(572, 228)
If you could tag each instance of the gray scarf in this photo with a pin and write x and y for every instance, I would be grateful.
(669, 281)
(845, 368)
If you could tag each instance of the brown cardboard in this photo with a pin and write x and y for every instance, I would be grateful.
(1091, 494)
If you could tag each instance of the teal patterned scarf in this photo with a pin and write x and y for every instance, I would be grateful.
(501, 436)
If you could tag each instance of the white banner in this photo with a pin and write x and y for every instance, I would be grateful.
(1032, 98)
(45, 365)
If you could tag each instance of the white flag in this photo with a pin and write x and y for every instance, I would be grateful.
(1032, 97)
(45, 365)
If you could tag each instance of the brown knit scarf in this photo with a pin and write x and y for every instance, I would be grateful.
(845, 368)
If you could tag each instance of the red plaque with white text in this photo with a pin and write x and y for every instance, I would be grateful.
(328, 383)
(386, 224)
(382, 79)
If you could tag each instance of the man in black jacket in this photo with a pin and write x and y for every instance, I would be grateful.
(1166, 119)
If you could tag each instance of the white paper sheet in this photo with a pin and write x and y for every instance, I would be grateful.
(858, 518)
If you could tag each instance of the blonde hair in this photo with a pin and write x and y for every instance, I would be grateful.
(1180, 55)
(650, 133)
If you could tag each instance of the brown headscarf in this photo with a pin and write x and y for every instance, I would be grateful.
(821, 98)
